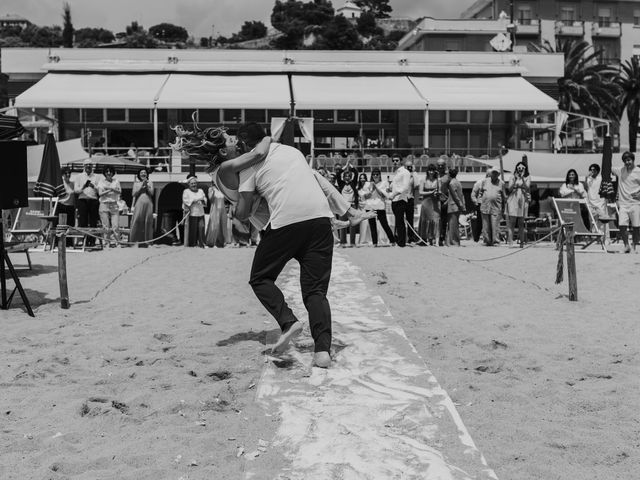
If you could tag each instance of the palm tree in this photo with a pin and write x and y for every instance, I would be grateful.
(587, 87)
(629, 85)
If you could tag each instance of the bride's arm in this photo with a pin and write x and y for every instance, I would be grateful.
(248, 159)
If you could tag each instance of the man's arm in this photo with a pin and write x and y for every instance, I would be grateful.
(336, 201)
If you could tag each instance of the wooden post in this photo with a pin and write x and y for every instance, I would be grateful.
(571, 263)
(62, 262)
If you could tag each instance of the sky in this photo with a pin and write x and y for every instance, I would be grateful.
(201, 18)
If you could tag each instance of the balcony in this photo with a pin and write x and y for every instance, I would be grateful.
(606, 29)
(569, 29)
(528, 28)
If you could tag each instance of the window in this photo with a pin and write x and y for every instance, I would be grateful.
(480, 116)
(323, 116)
(276, 113)
(568, 14)
(387, 116)
(452, 45)
(140, 115)
(232, 115)
(346, 116)
(209, 115)
(636, 17)
(458, 116)
(116, 115)
(524, 15)
(304, 113)
(370, 116)
(93, 115)
(437, 116)
(255, 115)
(415, 116)
(604, 16)
(71, 115)
(184, 115)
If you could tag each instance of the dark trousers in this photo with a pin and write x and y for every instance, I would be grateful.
(444, 210)
(382, 218)
(88, 216)
(399, 209)
(352, 233)
(311, 244)
(411, 236)
(196, 231)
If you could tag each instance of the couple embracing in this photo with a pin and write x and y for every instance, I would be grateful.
(272, 185)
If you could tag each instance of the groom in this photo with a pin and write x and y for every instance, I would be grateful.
(299, 228)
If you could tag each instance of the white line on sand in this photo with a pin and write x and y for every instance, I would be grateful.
(376, 414)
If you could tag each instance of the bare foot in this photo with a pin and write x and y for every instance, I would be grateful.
(321, 359)
(286, 337)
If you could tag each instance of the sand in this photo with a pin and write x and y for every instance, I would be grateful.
(152, 373)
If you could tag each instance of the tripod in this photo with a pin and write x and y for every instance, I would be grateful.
(4, 260)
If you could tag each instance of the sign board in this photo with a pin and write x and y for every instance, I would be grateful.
(30, 219)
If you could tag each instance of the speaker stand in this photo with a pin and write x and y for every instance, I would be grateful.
(5, 260)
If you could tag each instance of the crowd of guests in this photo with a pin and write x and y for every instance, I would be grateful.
(439, 195)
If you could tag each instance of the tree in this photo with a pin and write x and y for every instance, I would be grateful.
(168, 32)
(379, 8)
(587, 86)
(92, 37)
(140, 39)
(292, 17)
(134, 28)
(251, 31)
(338, 34)
(67, 30)
(35, 36)
(629, 84)
(367, 26)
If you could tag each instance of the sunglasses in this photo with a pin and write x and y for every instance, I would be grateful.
(395, 160)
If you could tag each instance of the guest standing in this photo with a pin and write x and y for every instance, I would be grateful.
(375, 199)
(492, 201)
(443, 193)
(455, 206)
(193, 202)
(109, 191)
(349, 191)
(217, 227)
(518, 195)
(85, 186)
(596, 203)
(142, 206)
(429, 224)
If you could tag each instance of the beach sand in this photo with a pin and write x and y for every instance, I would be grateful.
(152, 372)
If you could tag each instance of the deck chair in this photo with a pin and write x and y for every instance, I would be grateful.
(31, 223)
(568, 210)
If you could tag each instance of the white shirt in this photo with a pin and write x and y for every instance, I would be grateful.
(628, 184)
(287, 183)
(195, 201)
(110, 197)
(593, 188)
(401, 185)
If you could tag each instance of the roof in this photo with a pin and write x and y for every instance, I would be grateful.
(476, 8)
(41, 60)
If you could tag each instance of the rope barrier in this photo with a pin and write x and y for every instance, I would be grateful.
(529, 245)
(90, 232)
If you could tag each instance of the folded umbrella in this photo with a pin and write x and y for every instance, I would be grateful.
(49, 182)
(10, 127)
(119, 164)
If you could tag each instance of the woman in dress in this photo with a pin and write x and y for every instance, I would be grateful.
(217, 227)
(193, 203)
(455, 207)
(428, 225)
(518, 196)
(349, 192)
(142, 206)
(363, 187)
(573, 188)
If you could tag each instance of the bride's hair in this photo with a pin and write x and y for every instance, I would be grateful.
(199, 144)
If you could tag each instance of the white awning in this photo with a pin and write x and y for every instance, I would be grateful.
(225, 91)
(482, 93)
(356, 92)
(71, 90)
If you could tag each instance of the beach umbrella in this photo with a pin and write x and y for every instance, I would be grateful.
(10, 127)
(119, 164)
(49, 182)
